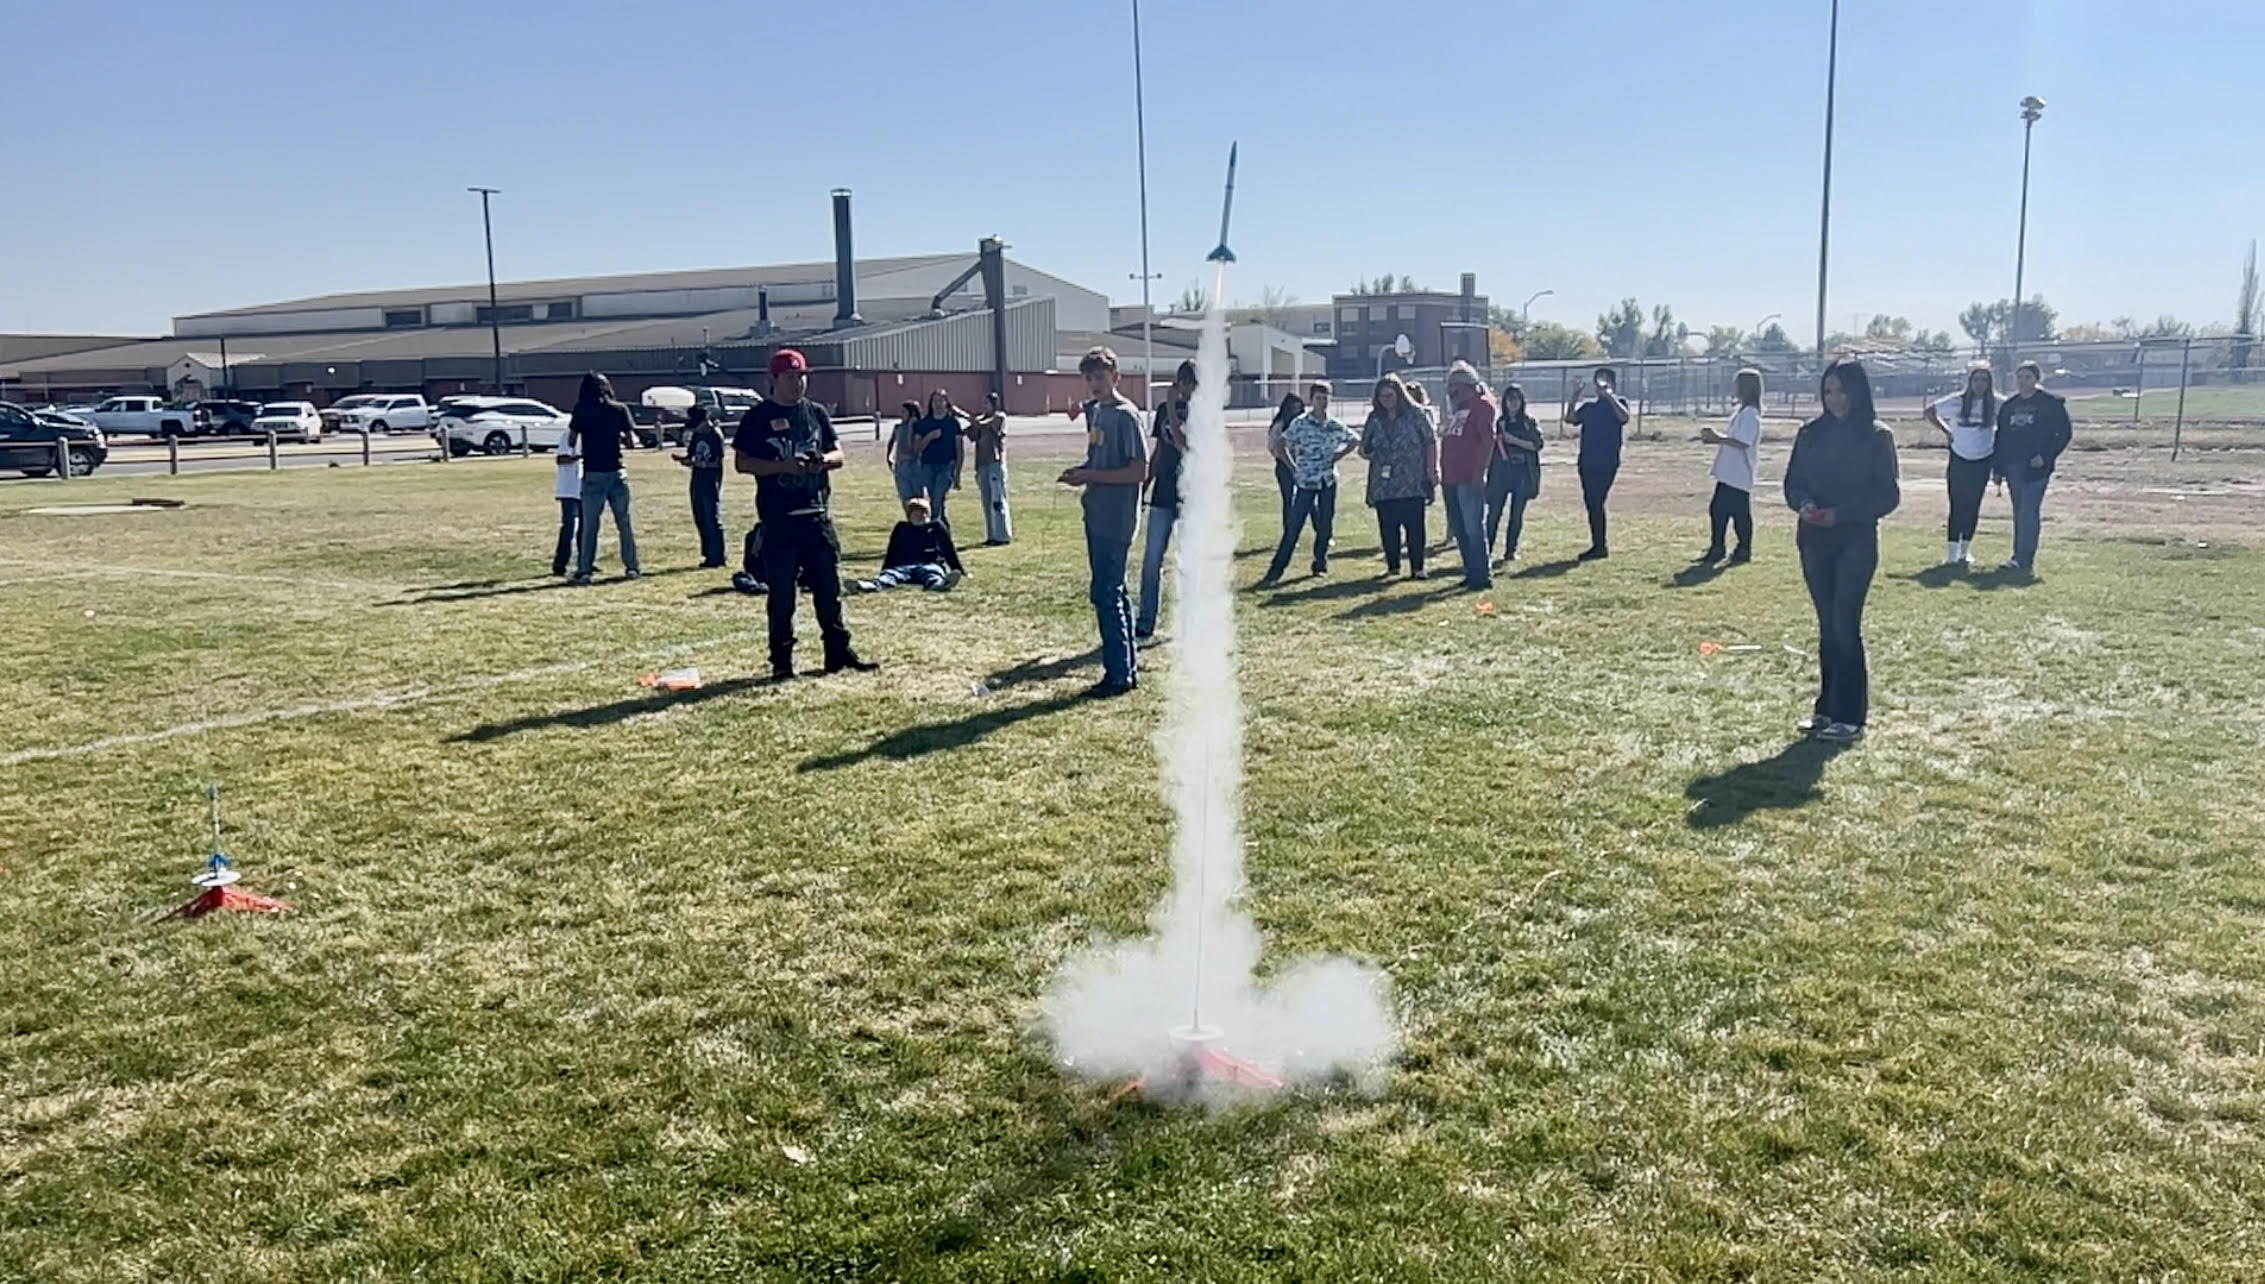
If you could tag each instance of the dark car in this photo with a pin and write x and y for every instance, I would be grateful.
(28, 443)
(227, 418)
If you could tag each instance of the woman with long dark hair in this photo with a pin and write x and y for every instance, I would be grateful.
(599, 430)
(1285, 477)
(1971, 432)
(1513, 478)
(1737, 462)
(899, 454)
(1402, 450)
(1842, 481)
(937, 447)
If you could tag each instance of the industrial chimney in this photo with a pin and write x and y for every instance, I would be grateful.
(1470, 293)
(845, 265)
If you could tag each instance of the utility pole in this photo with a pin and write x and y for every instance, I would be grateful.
(495, 313)
(1824, 214)
(2032, 107)
(1147, 308)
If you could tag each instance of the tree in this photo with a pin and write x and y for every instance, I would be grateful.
(1549, 341)
(1509, 321)
(1724, 340)
(1665, 339)
(1192, 299)
(1988, 324)
(1502, 347)
(1621, 331)
(1274, 304)
(1385, 284)
(2245, 316)
(1884, 331)
(1774, 340)
(1936, 342)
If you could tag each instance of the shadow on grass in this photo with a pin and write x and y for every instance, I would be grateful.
(510, 588)
(1404, 603)
(939, 737)
(1547, 570)
(1328, 588)
(1989, 581)
(604, 715)
(1781, 782)
(1024, 672)
(1695, 574)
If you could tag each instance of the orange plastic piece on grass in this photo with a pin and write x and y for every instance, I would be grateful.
(1710, 648)
(1485, 608)
(230, 898)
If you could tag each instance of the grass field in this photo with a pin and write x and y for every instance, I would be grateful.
(587, 982)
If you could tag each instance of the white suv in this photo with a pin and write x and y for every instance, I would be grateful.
(388, 414)
(498, 425)
(297, 420)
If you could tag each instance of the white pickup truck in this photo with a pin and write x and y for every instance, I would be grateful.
(388, 414)
(146, 415)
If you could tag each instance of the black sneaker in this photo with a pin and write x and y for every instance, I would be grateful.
(1109, 690)
(1419, 574)
(1741, 556)
(1271, 581)
(1593, 555)
(578, 580)
(850, 661)
(1708, 558)
(783, 673)
(1812, 724)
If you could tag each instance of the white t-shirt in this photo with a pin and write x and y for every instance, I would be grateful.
(1735, 467)
(1969, 439)
(569, 474)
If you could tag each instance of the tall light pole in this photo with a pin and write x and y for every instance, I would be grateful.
(1526, 311)
(1824, 203)
(1147, 307)
(2032, 107)
(495, 313)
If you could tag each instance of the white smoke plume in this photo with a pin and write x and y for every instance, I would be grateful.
(1112, 1010)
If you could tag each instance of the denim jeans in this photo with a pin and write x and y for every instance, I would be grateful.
(708, 513)
(1467, 501)
(1160, 524)
(991, 485)
(569, 526)
(601, 491)
(1507, 494)
(935, 481)
(1105, 556)
(1838, 564)
(1315, 504)
(927, 575)
(2027, 491)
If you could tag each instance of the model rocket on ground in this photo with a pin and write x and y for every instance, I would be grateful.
(216, 880)
(1226, 211)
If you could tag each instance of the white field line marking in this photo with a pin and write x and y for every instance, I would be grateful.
(358, 704)
(83, 571)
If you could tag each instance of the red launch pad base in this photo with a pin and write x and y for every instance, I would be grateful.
(228, 898)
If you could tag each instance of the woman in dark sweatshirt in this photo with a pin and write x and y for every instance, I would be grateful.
(2033, 430)
(1842, 481)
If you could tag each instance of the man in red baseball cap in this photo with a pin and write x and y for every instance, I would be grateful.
(787, 444)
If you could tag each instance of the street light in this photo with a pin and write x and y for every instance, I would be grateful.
(2032, 107)
(1147, 309)
(495, 314)
(1526, 312)
(1824, 200)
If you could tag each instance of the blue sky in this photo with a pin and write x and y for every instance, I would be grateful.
(168, 158)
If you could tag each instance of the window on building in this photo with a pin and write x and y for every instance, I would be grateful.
(1020, 291)
(558, 311)
(507, 314)
(399, 318)
(1392, 313)
(1321, 327)
(1346, 316)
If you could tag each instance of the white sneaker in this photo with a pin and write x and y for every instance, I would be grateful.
(1953, 553)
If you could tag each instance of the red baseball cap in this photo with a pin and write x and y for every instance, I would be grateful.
(788, 361)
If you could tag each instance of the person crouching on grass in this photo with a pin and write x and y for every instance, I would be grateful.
(704, 455)
(1312, 445)
(787, 444)
(920, 552)
(1842, 481)
(1116, 463)
(1736, 459)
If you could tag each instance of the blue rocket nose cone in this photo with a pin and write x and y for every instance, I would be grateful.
(1220, 255)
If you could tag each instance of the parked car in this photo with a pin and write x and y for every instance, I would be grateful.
(227, 418)
(60, 418)
(388, 414)
(148, 415)
(297, 420)
(334, 414)
(28, 443)
(496, 425)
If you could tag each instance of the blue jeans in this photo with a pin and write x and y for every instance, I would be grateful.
(1315, 504)
(934, 481)
(1838, 564)
(927, 575)
(2027, 491)
(991, 486)
(1466, 501)
(1160, 524)
(601, 491)
(1105, 555)
(708, 513)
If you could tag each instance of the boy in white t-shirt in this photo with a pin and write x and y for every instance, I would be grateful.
(569, 492)
(1736, 463)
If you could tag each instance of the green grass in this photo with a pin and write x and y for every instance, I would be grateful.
(589, 983)
(2205, 404)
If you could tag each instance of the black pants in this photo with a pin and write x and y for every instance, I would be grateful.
(1399, 520)
(708, 513)
(1506, 494)
(1286, 481)
(1968, 479)
(751, 551)
(569, 529)
(1596, 487)
(806, 550)
(1838, 564)
(1320, 505)
(1730, 508)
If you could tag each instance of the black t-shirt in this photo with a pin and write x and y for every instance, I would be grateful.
(911, 545)
(600, 428)
(705, 448)
(944, 451)
(774, 431)
(1164, 461)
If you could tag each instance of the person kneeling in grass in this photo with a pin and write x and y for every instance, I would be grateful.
(920, 552)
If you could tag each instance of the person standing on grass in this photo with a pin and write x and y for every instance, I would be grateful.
(1421, 400)
(599, 430)
(1116, 463)
(1285, 477)
(989, 433)
(787, 444)
(1737, 459)
(704, 455)
(920, 552)
(900, 456)
(2033, 430)
(1513, 476)
(1971, 432)
(1312, 445)
(1842, 481)
(1602, 419)
(1170, 432)
(568, 490)
(938, 445)
(1403, 465)
(1466, 445)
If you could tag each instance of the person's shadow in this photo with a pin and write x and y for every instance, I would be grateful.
(1696, 573)
(935, 737)
(1546, 570)
(1783, 781)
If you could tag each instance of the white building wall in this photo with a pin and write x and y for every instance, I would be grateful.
(282, 323)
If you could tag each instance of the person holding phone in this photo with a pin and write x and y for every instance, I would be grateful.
(1842, 481)
(1603, 419)
(1513, 476)
(1971, 433)
(1736, 465)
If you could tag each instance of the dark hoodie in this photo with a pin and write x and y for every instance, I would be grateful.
(601, 424)
(2031, 427)
(911, 545)
(1846, 467)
